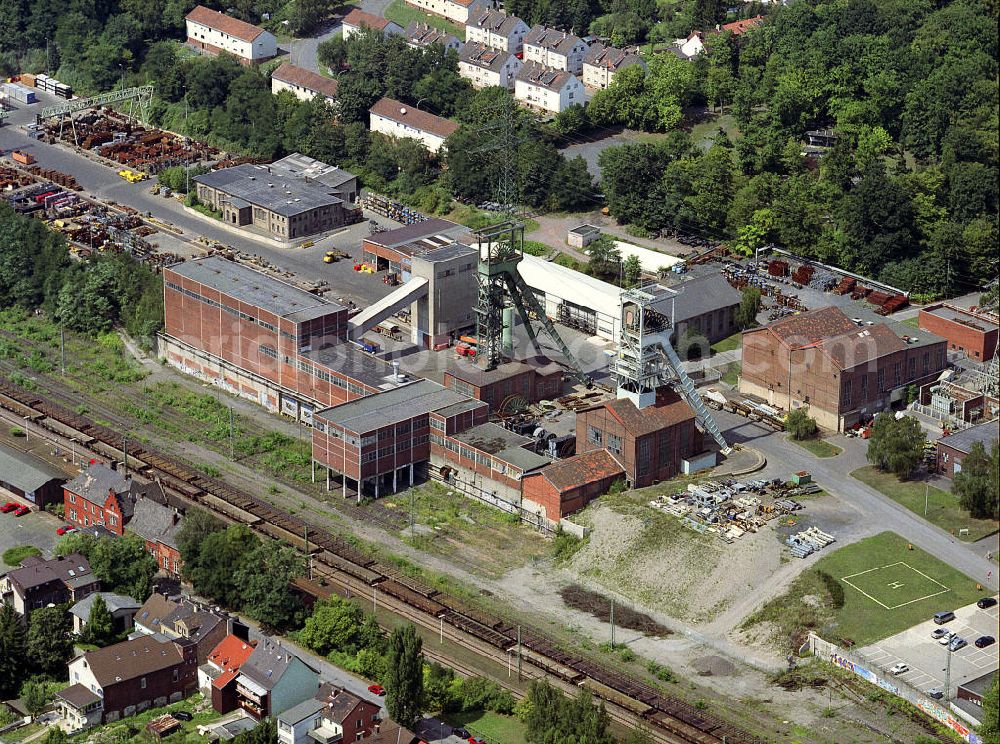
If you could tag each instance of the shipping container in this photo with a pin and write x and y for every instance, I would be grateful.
(23, 158)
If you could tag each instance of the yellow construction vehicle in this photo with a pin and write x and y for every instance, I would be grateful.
(331, 257)
(132, 176)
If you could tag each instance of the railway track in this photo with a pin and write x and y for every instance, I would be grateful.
(336, 561)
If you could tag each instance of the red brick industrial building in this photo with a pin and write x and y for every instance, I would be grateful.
(650, 444)
(569, 485)
(531, 380)
(99, 497)
(954, 448)
(844, 370)
(972, 332)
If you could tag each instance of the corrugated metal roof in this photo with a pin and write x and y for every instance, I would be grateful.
(963, 440)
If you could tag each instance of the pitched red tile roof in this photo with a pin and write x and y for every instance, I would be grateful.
(230, 653)
(360, 19)
(740, 27)
(226, 24)
(582, 469)
(295, 75)
(393, 110)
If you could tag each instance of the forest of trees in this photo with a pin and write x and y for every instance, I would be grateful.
(909, 192)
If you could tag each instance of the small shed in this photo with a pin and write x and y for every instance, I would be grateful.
(801, 478)
(583, 235)
(163, 726)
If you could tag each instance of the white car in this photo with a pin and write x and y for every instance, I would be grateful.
(900, 668)
(946, 639)
(939, 633)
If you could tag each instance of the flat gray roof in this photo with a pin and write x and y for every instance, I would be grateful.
(950, 313)
(355, 364)
(26, 471)
(466, 405)
(375, 411)
(417, 231)
(303, 166)
(447, 253)
(276, 189)
(255, 288)
(504, 445)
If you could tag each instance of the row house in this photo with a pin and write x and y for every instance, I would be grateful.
(332, 715)
(158, 524)
(546, 89)
(485, 67)
(217, 676)
(183, 618)
(497, 30)
(273, 680)
(556, 49)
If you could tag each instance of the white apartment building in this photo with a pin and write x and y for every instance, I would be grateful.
(304, 84)
(421, 35)
(497, 30)
(396, 119)
(484, 66)
(215, 32)
(457, 11)
(545, 89)
(600, 64)
(357, 20)
(555, 49)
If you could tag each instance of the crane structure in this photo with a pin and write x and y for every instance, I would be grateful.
(138, 99)
(646, 360)
(501, 248)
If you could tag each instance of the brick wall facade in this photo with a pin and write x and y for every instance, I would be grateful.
(975, 336)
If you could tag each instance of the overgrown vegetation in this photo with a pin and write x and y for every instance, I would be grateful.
(13, 556)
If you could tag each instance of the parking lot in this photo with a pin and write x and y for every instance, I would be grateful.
(928, 659)
(35, 528)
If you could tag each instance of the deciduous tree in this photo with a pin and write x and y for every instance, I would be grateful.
(896, 445)
(49, 643)
(976, 485)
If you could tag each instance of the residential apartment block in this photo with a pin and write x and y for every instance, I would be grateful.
(556, 49)
(484, 66)
(600, 64)
(421, 36)
(546, 89)
(215, 32)
(456, 11)
(302, 83)
(497, 30)
(396, 119)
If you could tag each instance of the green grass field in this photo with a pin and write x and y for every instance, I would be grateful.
(491, 726)
(943, 509)
(818, 447)
(728, 344)
(886, 588)
(403, 14)
(731, 374)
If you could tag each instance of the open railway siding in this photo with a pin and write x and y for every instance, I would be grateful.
(336, 561)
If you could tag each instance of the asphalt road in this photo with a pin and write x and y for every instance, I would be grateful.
(874, 509)
(302, 52)
(103, 182)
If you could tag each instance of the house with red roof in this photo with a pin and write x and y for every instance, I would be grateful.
(569, 485)
(217, 676)
(214, 32)
(357, 20)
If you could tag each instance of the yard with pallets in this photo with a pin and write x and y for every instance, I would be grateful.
(862, 593)
(943, 508)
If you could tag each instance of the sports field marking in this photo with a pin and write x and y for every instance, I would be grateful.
(895, 585)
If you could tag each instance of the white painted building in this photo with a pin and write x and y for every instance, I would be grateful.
(600, 64)
(497, 30)
(545, 89)
(563, 291)
(357, 20)
(215, 32)
(456, 11)
(396, 119)
(421, 36)
(485, 66)
(556, 49)
(304, 84)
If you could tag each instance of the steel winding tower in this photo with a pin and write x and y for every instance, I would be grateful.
(501, 248)
(646, 360)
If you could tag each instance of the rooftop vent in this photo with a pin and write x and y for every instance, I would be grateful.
(402, 110)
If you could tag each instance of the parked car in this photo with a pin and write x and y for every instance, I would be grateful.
(461, 733)
(984, 641)
(21, 511)
(986, 602)
(9, 507)
(935, 693)
(946, 639)
(474, 740)
(899, 668)
(65, 529)
(957, 644)
(181, 715)
(376, 690)
(939, 633)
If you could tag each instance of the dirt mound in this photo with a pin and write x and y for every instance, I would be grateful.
(713, 666)
(599, 606)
